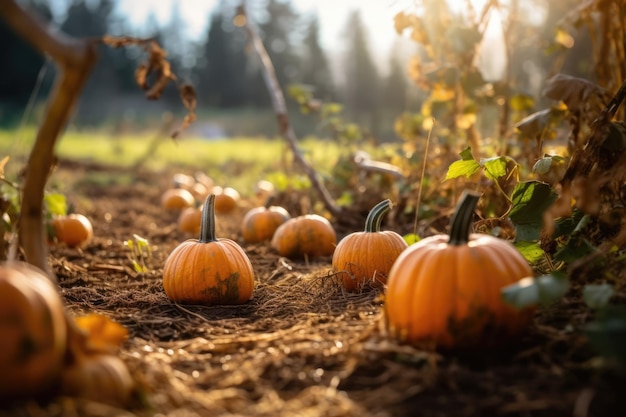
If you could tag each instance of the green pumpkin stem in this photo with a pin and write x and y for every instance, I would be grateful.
(207, 224)
(461, 222)
(375, 216)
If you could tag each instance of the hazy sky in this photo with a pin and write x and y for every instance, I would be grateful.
(377, 15)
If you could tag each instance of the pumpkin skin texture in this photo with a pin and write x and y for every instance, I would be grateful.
(73, 230)
(367, 256)
(33, 332)
(176, 199)
(444, 291)
(260, 223)
(309, 235)
(208, 271)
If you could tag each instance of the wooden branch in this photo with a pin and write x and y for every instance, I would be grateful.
(74, 60)
(280, 108)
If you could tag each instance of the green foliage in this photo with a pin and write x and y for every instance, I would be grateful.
(542, 290)
(530, 200)
(140, 253)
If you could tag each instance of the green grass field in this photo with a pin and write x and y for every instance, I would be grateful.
(236, 162)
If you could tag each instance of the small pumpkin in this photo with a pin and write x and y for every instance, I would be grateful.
(209, 270)
(260, 223)
(177, 199)
(73, 229)
(189, 220)
(445, 289)
(226, 199)
(307, 235)
(367, 256)
(33, 331)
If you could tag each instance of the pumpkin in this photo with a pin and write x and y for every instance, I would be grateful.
(33, 331)
(260, 223)
(73, 230)
(189, 220)
(367, 256)
(308, 235)
(445, 289)
(208, 271)
(226, 199)
(177, 199)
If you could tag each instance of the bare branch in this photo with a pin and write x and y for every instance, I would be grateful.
(280, 108)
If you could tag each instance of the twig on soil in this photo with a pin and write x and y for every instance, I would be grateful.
(280, 108)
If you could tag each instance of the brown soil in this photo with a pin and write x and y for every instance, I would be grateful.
(301, 346)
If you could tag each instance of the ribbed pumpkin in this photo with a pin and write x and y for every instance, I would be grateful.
(33, 331)
(367, 256)
(445, 289)
(260, 223)
(73, 230)
(308, 235)
(208, 271)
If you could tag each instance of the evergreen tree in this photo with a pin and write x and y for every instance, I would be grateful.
(362, 83)
(221, 71)
(315, 70)
(395, 85)
(21, 67)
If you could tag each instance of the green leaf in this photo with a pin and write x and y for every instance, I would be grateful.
(467, 166)
(577, 247)
(607, 334)
(530, 200)
(597, 295)
(411, 238)
(530, 250)
(56, 204)
(495, 167)
(530, 291)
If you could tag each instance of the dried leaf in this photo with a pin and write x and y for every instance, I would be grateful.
(574, 92)
(103, 333)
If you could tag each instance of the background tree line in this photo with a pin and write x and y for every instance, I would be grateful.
(225, 74)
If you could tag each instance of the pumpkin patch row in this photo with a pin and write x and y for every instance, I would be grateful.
(443, 290)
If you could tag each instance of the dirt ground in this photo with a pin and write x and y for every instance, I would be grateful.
(301, 346)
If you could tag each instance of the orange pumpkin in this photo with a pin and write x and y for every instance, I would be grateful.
(177, 199)
(260, 223)
(226, 199)
(445, 289)
(190, 219)
(33, 331)
(308, 235)
(208, 271)
(367, 256)
(73, 229)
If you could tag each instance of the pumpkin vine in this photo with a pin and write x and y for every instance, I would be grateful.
(462, 219)
(375, 216)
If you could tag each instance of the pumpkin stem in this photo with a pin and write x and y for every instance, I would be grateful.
(269, 201)
(462, 218)
(375, 216)
(207, 224)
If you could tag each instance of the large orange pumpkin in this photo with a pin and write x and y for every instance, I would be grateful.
(33, 331)
(260, 223)
(308, 235)
(367, 256)
(208, 271)
(445, 289)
